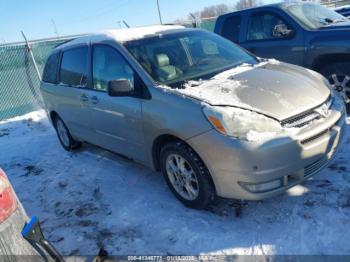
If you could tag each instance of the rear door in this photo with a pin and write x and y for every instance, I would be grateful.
(117, 121)
(231, 28)
(72, 102)
(263, 37)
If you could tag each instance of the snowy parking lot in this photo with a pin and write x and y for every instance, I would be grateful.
(94, 198)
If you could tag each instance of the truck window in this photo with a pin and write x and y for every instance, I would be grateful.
(264, 26)
(74, 67)
(231, 28)
(50, 70)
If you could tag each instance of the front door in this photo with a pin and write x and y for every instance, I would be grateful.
(117, 120)
(268, 35)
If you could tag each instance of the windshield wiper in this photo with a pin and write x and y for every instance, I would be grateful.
(328, 21)
(340, 20)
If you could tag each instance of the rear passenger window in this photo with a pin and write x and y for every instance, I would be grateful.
(50, 70)
(231, 28)
(74, 67)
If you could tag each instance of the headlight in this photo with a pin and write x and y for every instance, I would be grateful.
(241, 123)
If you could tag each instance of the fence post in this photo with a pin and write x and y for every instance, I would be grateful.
(32, 56)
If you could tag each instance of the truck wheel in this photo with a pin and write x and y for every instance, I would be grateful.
(64, 135)
(338, 75)
(186, 175)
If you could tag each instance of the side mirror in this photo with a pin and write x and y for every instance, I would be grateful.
(120, 87)
(282, 31)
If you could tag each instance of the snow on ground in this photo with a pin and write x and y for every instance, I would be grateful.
(92, 198)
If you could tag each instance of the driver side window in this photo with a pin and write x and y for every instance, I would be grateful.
(109, 65)
(267, 26)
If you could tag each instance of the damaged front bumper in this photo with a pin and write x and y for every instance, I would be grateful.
(254, 171)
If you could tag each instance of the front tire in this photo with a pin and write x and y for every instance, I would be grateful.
(338, 75)
(64, 136)
(186, 175)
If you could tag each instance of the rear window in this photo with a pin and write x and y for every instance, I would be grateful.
(74, 67)
(231, 28)
(50, 70)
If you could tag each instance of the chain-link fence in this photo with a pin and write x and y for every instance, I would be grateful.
(19, 82)
(205, 23)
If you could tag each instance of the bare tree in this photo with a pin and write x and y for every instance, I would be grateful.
(214, 11)
(207, 12)
(243, 4)
(222, 9)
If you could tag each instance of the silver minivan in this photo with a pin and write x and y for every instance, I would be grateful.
(216, 120)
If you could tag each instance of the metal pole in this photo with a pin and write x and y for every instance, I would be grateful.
(55, 28)
(195, 24)
(32, 56)
(126, 24)
(160, 15)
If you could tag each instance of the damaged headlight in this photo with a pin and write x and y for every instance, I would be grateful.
(242, 124)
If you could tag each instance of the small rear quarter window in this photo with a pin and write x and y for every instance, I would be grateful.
(51, 67)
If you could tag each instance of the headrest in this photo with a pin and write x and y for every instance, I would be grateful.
(162, 60)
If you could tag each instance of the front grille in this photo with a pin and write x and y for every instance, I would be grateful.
(305, 118)
(300, 120)
(315, 167)
(311, 139)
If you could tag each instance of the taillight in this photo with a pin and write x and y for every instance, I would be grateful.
(8, 202)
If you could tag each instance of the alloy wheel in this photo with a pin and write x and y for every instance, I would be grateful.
(62, 132)
(341, 83)
(182, 177)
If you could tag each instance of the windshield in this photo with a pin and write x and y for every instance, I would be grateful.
(313, 16)
(174, 58)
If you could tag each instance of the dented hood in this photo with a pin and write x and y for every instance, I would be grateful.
(278, 90)
(282, 90)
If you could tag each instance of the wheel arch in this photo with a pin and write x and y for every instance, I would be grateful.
(324, 60)
(164, 139)
(157, 145)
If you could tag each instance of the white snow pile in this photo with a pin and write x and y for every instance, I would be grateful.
(93, 198)
(272, 61)
(222, 89)
(248, 125)
(219, 90)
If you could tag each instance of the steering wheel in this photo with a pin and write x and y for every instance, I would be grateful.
(204, 61)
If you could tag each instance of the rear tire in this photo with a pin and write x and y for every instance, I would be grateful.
(64, 136)
(190, 182)
(338, 75)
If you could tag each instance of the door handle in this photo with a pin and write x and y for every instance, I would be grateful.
(84, 98)
(94, 100)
